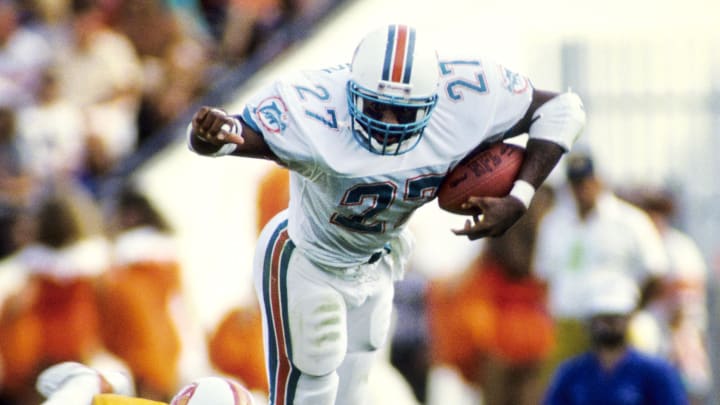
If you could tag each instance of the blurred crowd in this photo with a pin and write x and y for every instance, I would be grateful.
(506, 324)
(84, 83)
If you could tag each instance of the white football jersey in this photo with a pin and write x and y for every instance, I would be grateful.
(346, 202)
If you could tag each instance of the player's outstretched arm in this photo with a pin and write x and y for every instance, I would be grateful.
(214, 132)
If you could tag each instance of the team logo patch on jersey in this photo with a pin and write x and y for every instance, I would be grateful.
(272, 114)
(514, 82)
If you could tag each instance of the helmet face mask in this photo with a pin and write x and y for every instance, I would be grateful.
(392, 70)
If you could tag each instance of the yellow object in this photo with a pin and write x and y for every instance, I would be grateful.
(114, 399)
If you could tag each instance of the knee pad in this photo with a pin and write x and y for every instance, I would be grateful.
(313, 390)
(318, 331)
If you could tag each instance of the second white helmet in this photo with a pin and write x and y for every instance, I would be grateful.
(213, 391)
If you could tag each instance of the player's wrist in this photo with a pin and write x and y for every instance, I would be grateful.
(523, 191)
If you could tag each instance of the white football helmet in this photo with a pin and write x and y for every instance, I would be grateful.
(392, 67)
(213, 391)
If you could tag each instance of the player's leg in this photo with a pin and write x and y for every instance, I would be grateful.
(353, 375)
(304, 322)
(368, 329)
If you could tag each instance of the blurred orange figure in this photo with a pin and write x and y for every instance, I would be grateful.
(54, 317)
(235, 347)
(273, 195)
(138, 295)
(490, 322)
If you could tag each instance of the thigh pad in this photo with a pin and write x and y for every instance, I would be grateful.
(318, 330)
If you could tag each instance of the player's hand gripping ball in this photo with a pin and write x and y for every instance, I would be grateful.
(487, 172)
(213, 391)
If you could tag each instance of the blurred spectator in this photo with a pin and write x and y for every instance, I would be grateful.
(459, 310)
(612, 372)
(235, 347)
(591, 228)
(54, 317)
(524, 331)
(497, 310)
(410, 345)
(273, 194)
(16, 183)
(18, 231)
(249, 24)
(99, 70)
(215, 14)
(681, 311)
(175, 59)
(173, 81)
(53, 133)
(24, 55)
(141, 296)
(133, 17)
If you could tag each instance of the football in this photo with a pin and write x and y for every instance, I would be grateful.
(486, 172)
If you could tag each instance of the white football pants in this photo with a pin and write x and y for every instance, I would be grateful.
(320, 330)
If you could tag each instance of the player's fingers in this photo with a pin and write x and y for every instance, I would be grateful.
(200, 114)
(203, 117)
(470, 226)
(480, 202)
(471, 234)
(214, 125)
(474, 229)
(464, 230)
(476, 203)
(230, 137)
(227, 132)
(203, 124)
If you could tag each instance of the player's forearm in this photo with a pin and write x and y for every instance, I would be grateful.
(541, 157)
(213, 132)
(556, 122)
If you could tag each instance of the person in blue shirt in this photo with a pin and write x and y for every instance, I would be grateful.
(612, 372)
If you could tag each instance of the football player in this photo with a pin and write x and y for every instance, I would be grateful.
(367, 144)
(71, 383)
